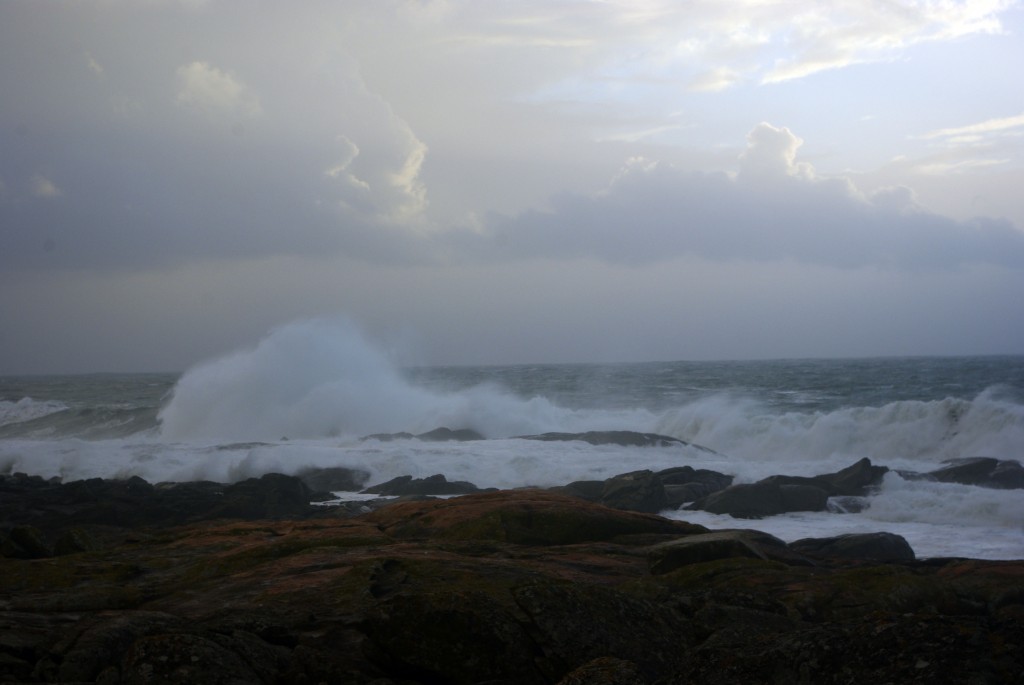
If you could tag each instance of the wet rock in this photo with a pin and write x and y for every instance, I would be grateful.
(589, 490)
(685, 484)
(448, 435)
(272, 495)
(649, 491)
(697, 549)
(634, 491)
(855, 480)
(847, 504)
(504, 587)
(622, 438)
(981, 471)
(875, 546)
(333, 479)
(431, 485)
(764, 498)
(388, 437)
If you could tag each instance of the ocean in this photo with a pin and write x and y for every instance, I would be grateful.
(306, 395)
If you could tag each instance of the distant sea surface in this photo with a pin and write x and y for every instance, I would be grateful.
(308, 393)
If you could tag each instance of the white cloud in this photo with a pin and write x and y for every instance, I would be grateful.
(207, 87)
(973, 133)
(342, 170)
(43, 187)
(831, 35)
(770, 152)
(776, 208)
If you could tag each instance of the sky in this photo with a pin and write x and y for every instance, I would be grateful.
(497, 182)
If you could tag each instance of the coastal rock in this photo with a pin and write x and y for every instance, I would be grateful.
(272, 495)
(25, 542)
(431, 485)
(522, 517)
(455, 636)
(985, 472)
(441, 434)
(622, 438)
(649, 491)
(634, 491)
(580, 623)
(684, 484)
(605, 670)
(875, 546)
(855, 480)
(764, 498)
(522, 586)
(388, 437)
(589, 490)
(448, 435)
(333, 479)
(781, 494)
(698, 549)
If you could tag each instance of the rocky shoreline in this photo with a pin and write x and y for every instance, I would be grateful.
(124, 581)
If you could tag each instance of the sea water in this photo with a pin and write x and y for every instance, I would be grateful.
(306, 395)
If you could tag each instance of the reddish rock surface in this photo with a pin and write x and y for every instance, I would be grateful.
(509, 587)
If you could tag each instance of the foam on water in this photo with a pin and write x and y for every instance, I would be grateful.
(27, 409)
(906, 434)
(304, 395)
(321, 378)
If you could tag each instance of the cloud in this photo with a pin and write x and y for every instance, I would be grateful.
(43, 187)
(771, 152)
(823, 36)
(775, 209)
(206, 87)
(975, 132)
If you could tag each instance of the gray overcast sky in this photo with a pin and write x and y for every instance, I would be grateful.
(502, 182)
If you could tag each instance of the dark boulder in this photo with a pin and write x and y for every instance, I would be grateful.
(697, 549)
(622, 438)
(685, 484)
(334, 479)
(874, 546)
(523, 517)
(272, 495)
(856, 480)
(847, 504)
(589, 490)
(448, 435)
(431, 485)
(982, 471)
(634, 491)
(388, 437)
(649, 491)
(764, 498)
(441, 434)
